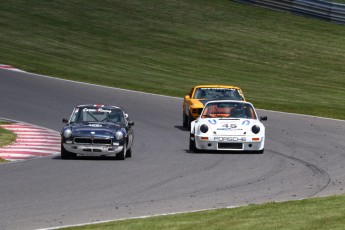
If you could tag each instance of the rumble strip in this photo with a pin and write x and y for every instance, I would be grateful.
(31, 142)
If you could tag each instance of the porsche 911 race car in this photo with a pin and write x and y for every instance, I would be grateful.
(194, 102)
(97, 130)
(228, 125)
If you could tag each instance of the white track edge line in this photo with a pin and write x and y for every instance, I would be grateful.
(159, 95)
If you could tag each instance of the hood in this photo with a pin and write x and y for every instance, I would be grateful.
(94, 129)
(239, 126)
(199, 103)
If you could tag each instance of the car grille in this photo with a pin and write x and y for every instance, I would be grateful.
(88, 140)
(235, 146)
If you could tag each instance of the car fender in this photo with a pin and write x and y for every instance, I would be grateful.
(192, 127)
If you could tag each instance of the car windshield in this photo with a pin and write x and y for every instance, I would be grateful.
(217, 94)
(228, 110)
(97, 114)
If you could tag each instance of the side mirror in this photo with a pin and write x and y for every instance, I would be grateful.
(187, 97)
(131, 123)
(263, 118)
(64, 120)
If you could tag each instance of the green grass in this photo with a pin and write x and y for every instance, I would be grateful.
(6, 138)
(317, 213)
(281, 61)
(338, 1)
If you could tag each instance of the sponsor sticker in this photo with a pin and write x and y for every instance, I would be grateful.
(95, 125)
(100, 110)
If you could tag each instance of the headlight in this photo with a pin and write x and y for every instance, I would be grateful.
(204, 128)
(118, 135)
(67, 133)
(255, 129)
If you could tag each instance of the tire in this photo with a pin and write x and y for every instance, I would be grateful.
(184, 120)
(260, 151)
(122, 155)
(191, 143)
(189, 121)
(192, 146)
(129, 153)
(65, 154)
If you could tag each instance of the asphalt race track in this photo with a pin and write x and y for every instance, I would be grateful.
(304, 157)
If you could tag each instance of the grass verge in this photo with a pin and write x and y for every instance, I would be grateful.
(6, 137)
(338, 1)
(316, 213)
(281, 61)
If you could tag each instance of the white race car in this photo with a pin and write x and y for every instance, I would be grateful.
(228, 125)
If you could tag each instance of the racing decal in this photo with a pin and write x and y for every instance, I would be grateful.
(229, 126)
(96, 110)
(212, 121)
(218, 88)
(232, 126)
(95, 125)
(230, 129)
(246, 122)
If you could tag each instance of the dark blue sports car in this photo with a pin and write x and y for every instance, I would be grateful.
(97, 130)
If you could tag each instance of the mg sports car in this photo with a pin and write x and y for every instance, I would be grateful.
(97, 130)
(228, 125)
(194, 102)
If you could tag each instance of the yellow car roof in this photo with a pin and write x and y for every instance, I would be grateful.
(216, 86)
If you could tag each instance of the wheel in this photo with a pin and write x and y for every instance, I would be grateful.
(191, 143)
(190, 119)
(260, 151)
(129, 153)
(184, 120)
(192, 146)
(122, 155)
(65, 154)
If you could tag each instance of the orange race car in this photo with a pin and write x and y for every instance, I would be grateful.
(197, 97)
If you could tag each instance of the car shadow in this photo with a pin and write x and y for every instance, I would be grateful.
(87, 158)
(221, 152)
(180, 127)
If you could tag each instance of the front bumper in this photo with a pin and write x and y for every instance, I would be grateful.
(244, 145)
(93, 150)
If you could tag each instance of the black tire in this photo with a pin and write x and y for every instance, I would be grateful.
(129, 153)
(122, 155)
(184, 120)
(260, 151)
(65, 154)
(191, 143)
(192, 146)
(190, 119)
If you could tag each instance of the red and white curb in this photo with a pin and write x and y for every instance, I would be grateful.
(9, 67)
(31, 142)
